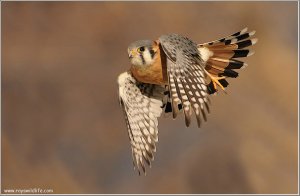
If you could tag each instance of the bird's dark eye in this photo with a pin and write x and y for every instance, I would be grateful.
(141, 49)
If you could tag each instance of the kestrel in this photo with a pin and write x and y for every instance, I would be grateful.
(174, 74)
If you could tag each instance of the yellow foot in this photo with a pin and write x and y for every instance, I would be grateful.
(215, 80)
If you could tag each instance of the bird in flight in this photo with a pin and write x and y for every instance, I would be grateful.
(173, 74)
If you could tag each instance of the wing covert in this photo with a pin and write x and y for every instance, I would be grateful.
(186, 77)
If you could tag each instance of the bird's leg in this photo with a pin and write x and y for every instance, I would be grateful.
(215, 80)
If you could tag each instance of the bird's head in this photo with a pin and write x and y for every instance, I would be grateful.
(142, 52)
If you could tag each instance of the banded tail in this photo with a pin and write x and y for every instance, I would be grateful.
(221, 56)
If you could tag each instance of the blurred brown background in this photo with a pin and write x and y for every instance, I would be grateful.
(62, 127)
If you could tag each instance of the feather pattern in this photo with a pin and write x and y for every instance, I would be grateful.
(186, 77)
(221, 55)
(142, 105)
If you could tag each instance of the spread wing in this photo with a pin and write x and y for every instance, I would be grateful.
(142, 105)
(186, 77)
(220, 56)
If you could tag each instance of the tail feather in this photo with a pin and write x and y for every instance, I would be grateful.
(229, 54)
(212, 90)
(219, 71)
(222, 63)
(231, 39)
(220, 55)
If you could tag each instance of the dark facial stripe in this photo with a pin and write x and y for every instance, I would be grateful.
(142, 57)
(152, 53)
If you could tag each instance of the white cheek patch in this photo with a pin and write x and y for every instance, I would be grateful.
(205, 53)
(147, 57)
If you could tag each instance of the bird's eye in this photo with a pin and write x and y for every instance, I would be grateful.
(141, 49)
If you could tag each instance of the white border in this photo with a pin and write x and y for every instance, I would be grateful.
(135, 194)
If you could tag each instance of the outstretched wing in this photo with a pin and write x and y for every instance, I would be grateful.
(186, 77)
(220, 56)
(142, 105)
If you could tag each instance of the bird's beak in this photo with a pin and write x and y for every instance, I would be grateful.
(132, 53)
